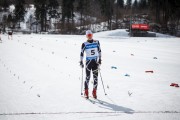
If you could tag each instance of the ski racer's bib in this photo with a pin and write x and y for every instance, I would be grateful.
(91, 50)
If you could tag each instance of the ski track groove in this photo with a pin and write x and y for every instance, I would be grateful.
(101, 112)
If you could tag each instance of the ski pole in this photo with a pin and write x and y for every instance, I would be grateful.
(82, 82)
(102, 82)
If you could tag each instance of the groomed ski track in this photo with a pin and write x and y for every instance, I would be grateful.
(51, 113)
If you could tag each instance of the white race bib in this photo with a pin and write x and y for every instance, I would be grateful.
(91, 51)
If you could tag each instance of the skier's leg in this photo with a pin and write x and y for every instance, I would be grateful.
(88, 74)
(95, 77)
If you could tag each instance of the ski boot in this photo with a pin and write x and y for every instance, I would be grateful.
(94, 93)
(86, 94)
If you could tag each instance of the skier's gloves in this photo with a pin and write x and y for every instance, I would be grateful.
(81, 64)
(99, 62)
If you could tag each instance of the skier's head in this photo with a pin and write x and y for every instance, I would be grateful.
(89, 34)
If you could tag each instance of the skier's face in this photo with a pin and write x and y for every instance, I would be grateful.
(89, 36)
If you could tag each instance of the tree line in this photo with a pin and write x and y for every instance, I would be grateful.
(91, 12)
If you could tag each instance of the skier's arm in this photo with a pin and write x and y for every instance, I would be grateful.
(99, 50)
(82, 52)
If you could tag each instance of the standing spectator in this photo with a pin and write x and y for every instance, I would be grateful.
(10, 34)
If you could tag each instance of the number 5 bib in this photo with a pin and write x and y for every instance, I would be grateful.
(91, 50)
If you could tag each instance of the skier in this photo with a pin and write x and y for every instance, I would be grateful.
(93, 60)
(10, 34)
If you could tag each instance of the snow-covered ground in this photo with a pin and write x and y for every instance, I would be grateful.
(40, 78)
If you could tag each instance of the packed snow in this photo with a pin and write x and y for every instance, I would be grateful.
(41, 78)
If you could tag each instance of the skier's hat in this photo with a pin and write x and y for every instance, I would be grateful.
(88, 32)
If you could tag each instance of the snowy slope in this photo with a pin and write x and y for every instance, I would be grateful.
(41, 78)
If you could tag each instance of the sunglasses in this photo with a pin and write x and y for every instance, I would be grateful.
(89, 35)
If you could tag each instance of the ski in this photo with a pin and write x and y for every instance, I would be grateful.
(90, 100)
(101, 102)
(93, 100)
(96, 99)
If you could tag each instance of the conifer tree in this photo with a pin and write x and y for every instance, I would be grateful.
(107, 11)
(41, 13)
(19, 11)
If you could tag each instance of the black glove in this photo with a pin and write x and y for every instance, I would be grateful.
(81, 64)
(99, 62)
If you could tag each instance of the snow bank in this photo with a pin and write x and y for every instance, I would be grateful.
(123, 33)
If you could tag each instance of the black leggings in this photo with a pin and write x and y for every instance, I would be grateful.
(91, 65)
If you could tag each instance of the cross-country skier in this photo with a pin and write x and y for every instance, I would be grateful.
(93, 60)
